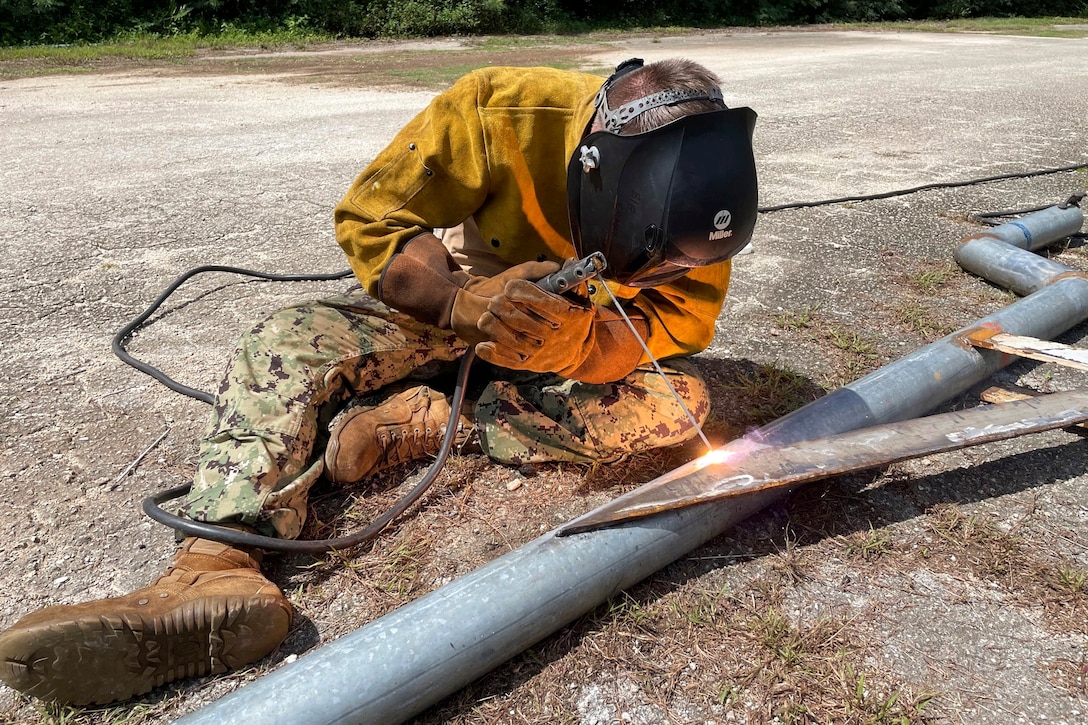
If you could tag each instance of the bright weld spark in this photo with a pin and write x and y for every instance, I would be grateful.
(619, 308)
(716, 456)
(734, 452)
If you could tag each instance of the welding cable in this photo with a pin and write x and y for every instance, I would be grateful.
(118, 345)
(924, 187)
(152, 505)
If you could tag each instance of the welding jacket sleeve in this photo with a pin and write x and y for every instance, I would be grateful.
(495, 147)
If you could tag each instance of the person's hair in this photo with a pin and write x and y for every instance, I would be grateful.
(659, 76)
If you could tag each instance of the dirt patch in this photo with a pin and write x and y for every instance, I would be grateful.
(431, 69)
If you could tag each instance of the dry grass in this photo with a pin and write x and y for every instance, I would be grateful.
(1024, 567)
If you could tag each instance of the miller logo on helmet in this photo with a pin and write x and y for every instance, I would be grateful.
(721, 221)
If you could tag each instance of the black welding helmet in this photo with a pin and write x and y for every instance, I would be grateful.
(659, 203)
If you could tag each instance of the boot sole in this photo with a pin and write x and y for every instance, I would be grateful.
(98, 659)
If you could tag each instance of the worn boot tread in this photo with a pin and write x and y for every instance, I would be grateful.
(188, 623)
(102, 659)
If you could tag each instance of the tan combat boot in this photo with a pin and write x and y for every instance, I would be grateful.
(364, 439)
(210, 612)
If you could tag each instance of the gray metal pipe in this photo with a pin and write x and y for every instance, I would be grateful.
(1040, 229)
(1002, 254)
(399, 665)
(1008, 267)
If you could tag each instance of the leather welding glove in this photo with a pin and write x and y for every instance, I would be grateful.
(472, 300)
(424, 281)
(535, 330)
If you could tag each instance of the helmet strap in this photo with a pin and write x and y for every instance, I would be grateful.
(614, 120)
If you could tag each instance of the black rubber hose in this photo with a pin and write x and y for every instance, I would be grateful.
(924, 187)
(118, 346)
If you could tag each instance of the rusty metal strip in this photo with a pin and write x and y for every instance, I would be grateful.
(1030, 347)
(745, 466)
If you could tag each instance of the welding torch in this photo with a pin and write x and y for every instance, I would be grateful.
(572, 275)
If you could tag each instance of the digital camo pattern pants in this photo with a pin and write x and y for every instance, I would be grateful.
(293, 370)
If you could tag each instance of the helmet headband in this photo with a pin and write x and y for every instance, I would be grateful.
(615, 120)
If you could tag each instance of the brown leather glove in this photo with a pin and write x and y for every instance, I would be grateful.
(424, 281)
(472, 300)
(534, 330)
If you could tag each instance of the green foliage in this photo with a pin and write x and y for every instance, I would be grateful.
(24, 22)
(779, 12)
(949, 9)
(698, 13)
(401, 18)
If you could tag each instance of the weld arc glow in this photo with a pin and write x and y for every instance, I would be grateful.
(716, 456)
(732, 453)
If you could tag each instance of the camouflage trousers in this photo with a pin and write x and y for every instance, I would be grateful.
(293, 370)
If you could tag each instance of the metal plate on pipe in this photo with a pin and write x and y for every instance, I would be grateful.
(745, 465)
(1030, 347)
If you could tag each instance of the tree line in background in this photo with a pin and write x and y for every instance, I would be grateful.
(76, 21)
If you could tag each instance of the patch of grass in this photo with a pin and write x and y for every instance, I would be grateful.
(1028, 572)
(638, 468)
(950, 523)
(145, 47)
(52, 713)
(399, 572)
(307, 595)
(799, 319)
(930, 280)
(1047, 27)
(868, 545)
(853, 369)
(789, 563)
(432, 76)
(808, 672)
(1062, 589)
(73, 55)
(852, 342)
(154, 46)
(768, 392)
(446, 75)
(1069, 580)
(728, 695)
(518, 42)
(626, 611)
(698, 612)
(882, 708)
(860, 355)
(789, 645)
(990, 552)
(918, 319)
